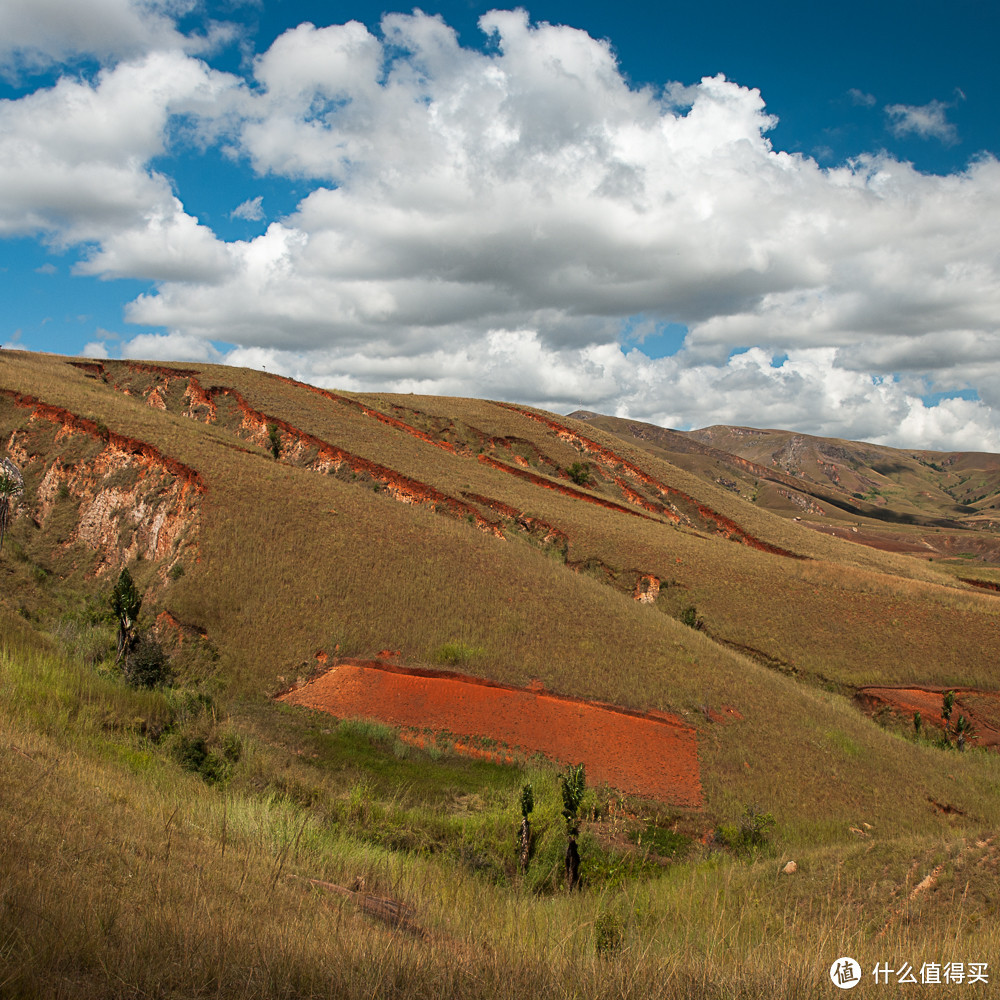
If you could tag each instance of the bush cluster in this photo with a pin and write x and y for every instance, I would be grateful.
(749, 836)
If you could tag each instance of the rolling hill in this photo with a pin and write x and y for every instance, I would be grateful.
(708, 586)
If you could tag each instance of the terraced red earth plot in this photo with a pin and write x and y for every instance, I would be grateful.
(652, 754)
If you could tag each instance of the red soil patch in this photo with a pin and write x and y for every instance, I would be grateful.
(645, 753)
(71, 422)
(981, 708)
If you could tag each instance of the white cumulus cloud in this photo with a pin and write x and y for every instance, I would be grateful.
(252, 209)
(35, 33)
(490, 222)
(926, 121)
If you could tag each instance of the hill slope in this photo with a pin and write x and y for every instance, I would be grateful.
(275, 528)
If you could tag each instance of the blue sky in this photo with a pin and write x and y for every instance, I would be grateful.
(781, 214)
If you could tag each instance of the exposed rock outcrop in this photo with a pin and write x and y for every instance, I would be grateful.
(131, 499)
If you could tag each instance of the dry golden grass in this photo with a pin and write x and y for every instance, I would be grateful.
(121, 876)
(178, 888)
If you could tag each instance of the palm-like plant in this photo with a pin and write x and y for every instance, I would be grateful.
(574, 784)
(524, 840)
(125, 603)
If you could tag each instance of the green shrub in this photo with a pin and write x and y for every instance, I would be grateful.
(193, 754)
(231, 746)
(190, 752)
(750, 836)
(608, 933)
(126, 603)
(689, 616)
(573, 782)
(274, 440)
(579, 472)
(661, 841)
(146, 664)
(947, 703)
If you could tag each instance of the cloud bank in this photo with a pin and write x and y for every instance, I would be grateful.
(503, 221)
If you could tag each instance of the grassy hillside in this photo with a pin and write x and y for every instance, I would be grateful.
(271, 527)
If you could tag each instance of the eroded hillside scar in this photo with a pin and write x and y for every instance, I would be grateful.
(568, 491)
(980, 707)
(611, 461)
(73, 422)
(645, 753)
(127, 499)
(297, 446)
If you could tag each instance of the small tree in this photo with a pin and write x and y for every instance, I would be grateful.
(947, 703)
(574, 784)
(11, 487)
(125, 604)
(963, 732)
(917, 722)
(274, 440)
(579, 472)
(524, 839)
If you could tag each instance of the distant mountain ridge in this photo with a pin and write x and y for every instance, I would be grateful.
(828, 481)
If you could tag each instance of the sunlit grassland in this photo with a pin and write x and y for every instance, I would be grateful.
(292, 563)
(575, 634)
(121, 875)
(127, 869)
(822, 620)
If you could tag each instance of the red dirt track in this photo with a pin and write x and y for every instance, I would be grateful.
(651, 754)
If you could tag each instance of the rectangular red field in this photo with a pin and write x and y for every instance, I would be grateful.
(651, 754)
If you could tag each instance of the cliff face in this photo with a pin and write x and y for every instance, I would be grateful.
(118, 497)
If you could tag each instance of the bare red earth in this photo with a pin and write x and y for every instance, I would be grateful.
(981, 708)
(645, 753)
